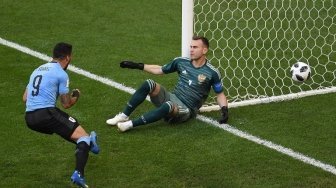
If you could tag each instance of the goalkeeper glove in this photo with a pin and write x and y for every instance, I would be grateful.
(75, 93)
(225, 115)
(132, 65)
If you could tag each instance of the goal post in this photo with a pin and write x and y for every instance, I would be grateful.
(253, 43)
(187, 26)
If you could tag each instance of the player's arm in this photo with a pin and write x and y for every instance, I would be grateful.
(222, 102)
(221, 99)
(24, 97)
(69, 99)
(153, 69)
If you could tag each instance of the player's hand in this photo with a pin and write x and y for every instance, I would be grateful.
(75, 93)
(131, 65)
(225, 115)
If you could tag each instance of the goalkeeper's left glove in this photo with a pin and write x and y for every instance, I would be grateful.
(75, 93)
(225, 114)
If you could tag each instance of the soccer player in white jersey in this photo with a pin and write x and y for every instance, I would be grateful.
(196, 76)
(48, 82)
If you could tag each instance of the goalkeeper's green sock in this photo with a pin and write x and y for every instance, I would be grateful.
(139, 96)
(154, 115)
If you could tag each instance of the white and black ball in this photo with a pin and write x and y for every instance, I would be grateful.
(300, 72)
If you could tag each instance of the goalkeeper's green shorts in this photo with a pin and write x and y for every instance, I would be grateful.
(163, 96)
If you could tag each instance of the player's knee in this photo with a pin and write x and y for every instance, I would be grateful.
(166, 108)
(148, 86)
(169, 107)
(172, 112)
(152, 85)
(78, 133)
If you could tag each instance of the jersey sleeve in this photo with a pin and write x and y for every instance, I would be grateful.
(170, 67)
(63, 87)
(217, 82)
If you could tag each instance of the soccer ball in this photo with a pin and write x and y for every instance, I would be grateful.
(300, 72)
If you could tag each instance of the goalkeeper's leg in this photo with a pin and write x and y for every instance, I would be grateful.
(148, 87)
(164, 110)
(140, 95)
(155, 115)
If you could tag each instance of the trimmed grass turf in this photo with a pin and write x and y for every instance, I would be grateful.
(190, 155)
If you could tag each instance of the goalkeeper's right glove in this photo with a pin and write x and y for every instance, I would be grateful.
(131, 65)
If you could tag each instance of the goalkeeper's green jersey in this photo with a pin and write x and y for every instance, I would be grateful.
(194, 84)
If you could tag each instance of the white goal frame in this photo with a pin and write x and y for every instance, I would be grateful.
(188, 30)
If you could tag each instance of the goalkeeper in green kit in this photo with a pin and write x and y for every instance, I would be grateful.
(196, 77)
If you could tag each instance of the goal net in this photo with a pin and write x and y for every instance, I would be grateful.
(254, 43)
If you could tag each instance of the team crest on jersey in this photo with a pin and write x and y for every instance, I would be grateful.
(72, 119)
(201, 78)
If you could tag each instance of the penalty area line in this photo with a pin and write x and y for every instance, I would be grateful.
(226, 127)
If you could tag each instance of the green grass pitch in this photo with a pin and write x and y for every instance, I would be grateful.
(193, 154)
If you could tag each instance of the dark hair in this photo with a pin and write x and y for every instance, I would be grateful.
(61, 50)
(204, 40)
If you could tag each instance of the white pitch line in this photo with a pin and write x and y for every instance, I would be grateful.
(70, 67)
(271, 145)
(226, 127)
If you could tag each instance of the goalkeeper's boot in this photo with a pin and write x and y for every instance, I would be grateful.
(121, 117)
(77, 179)
(94, 148)
(125, 126)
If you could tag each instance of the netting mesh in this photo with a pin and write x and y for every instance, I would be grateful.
(255, 42)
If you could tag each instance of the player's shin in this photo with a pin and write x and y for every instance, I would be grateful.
(154, 115)
(82, 153)
(139, 96)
